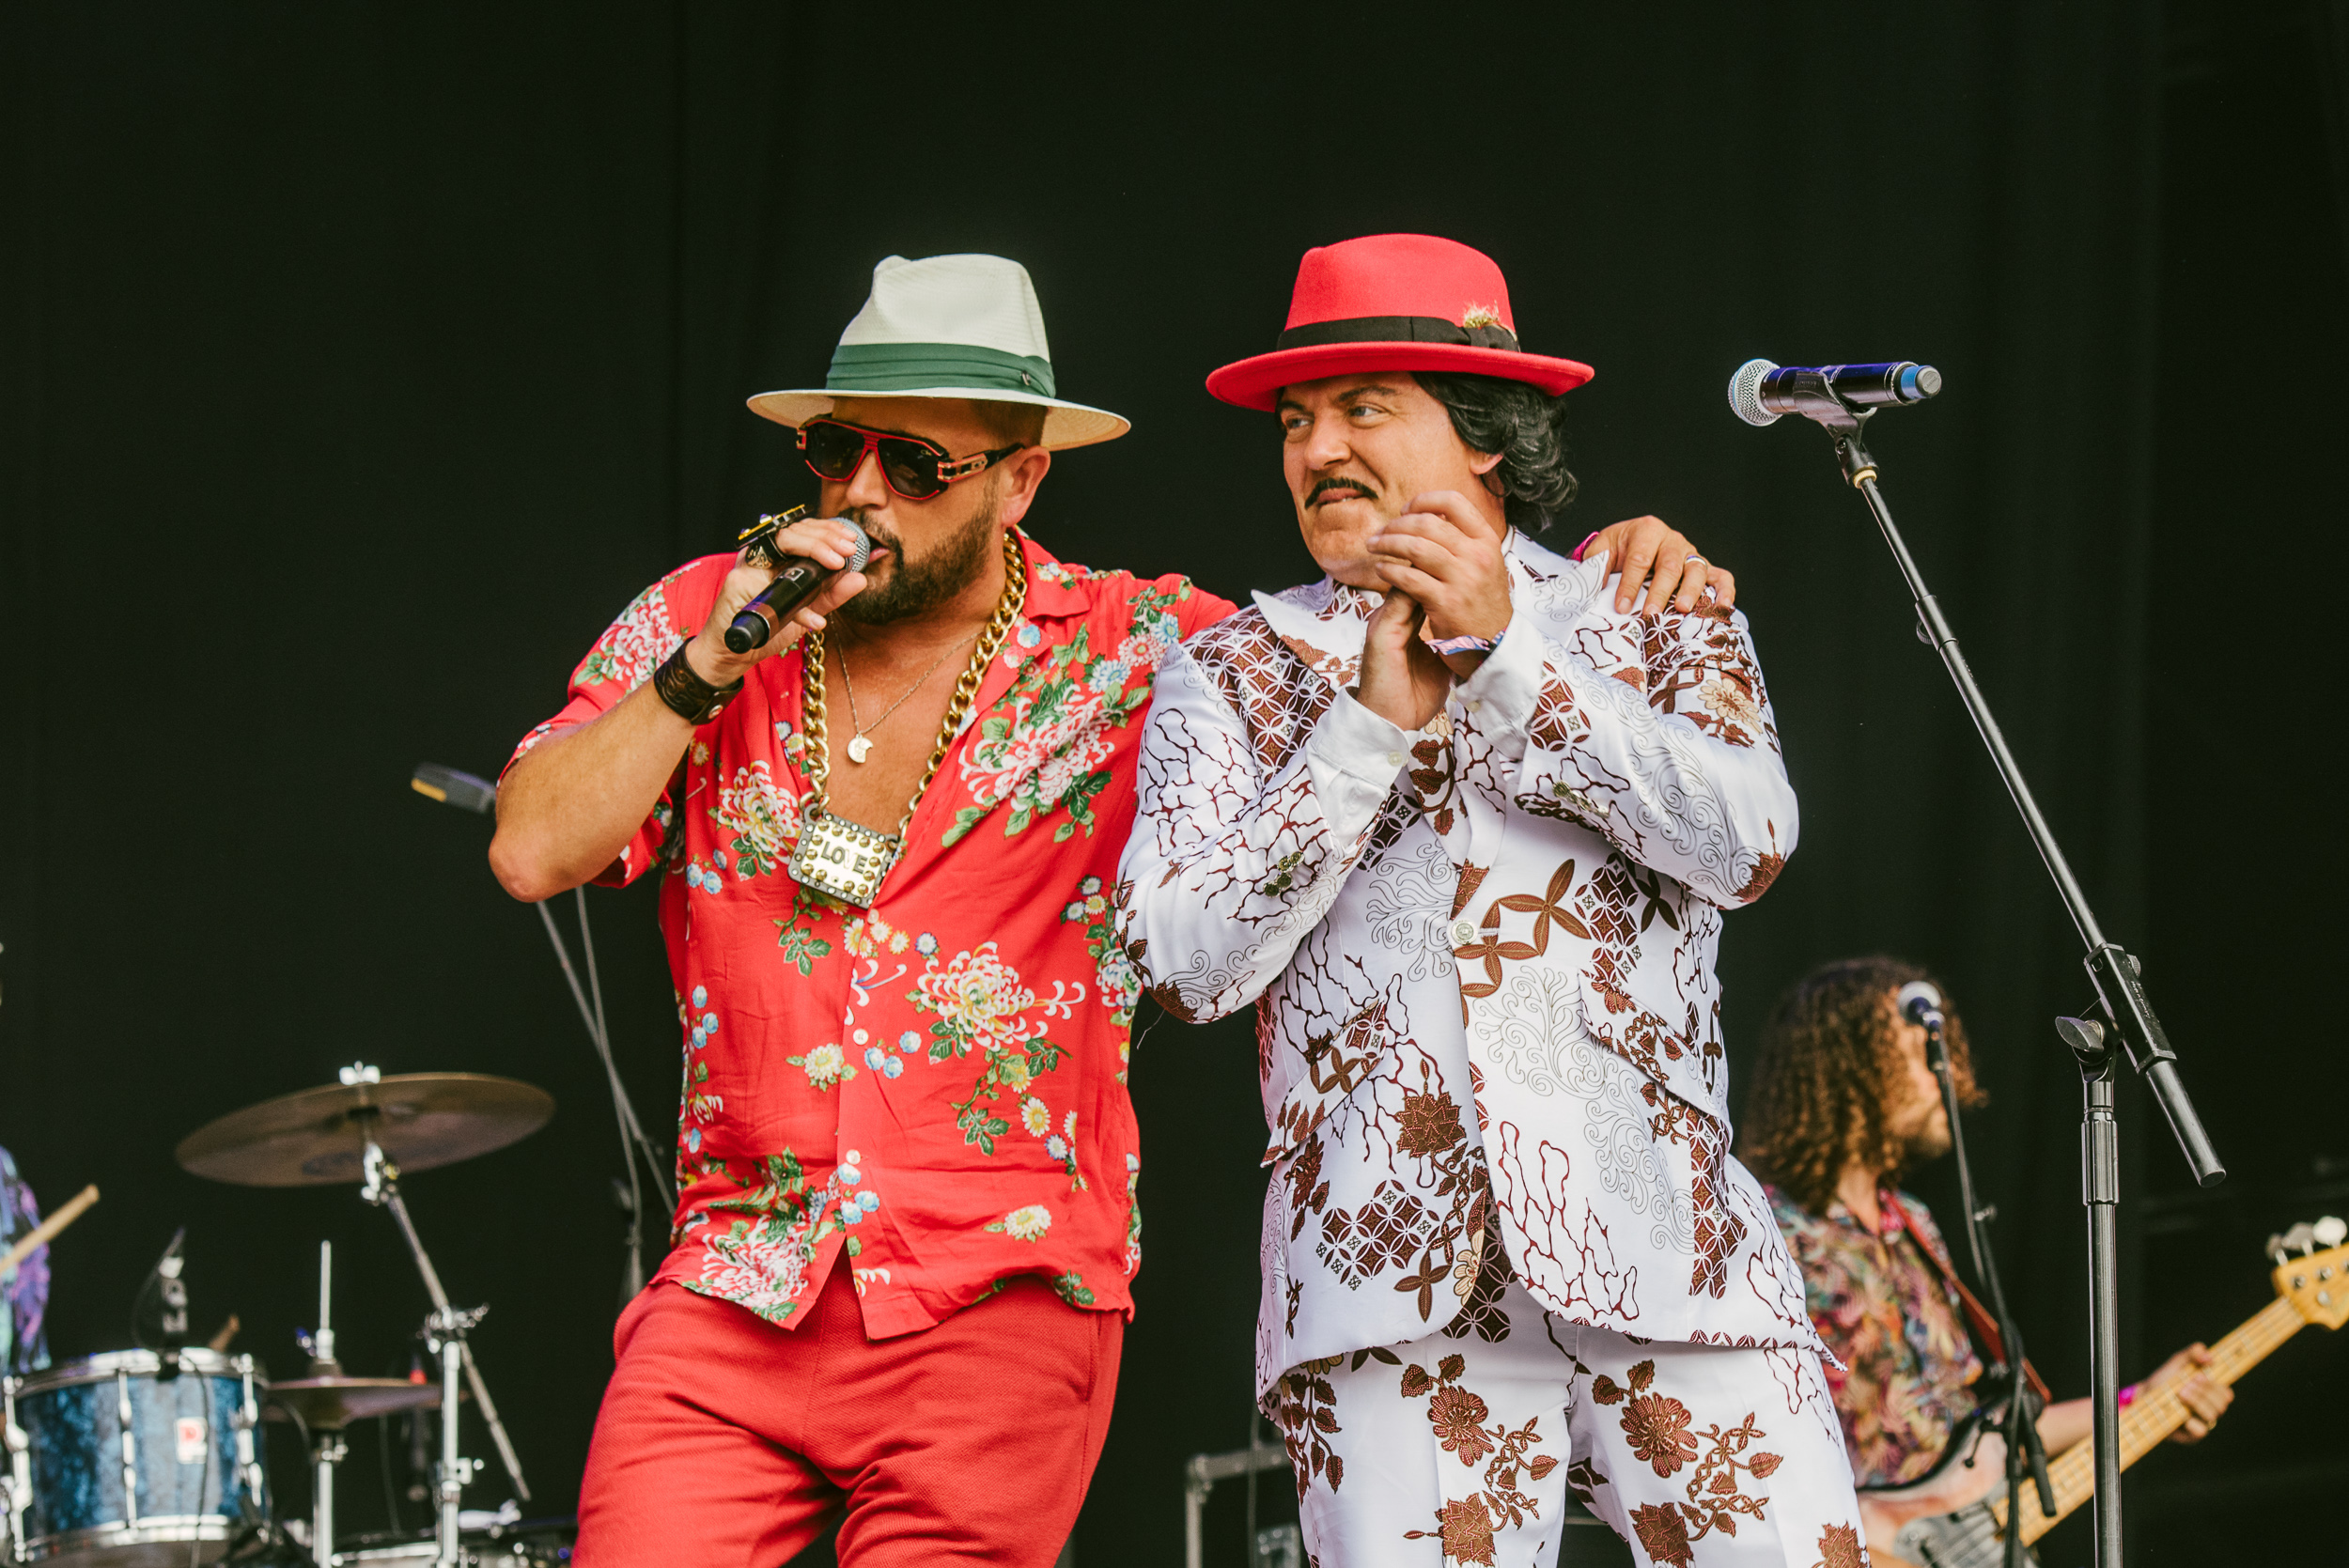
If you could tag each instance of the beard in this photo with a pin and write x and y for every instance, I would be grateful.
(911, 588)
(1922, 1145)
(1931, 1143)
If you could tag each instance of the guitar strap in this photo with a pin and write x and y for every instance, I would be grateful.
(1979, 1322)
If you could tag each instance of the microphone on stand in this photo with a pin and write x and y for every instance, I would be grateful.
(453, 788)
(1762, 393)
(1921, 1004)
(793, 586)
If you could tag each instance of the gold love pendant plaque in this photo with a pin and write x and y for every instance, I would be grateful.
(841, 859)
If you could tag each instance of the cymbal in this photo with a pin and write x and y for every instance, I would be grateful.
(317, 1136)
(331, 1403)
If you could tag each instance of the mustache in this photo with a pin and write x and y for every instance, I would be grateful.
(1326, 485)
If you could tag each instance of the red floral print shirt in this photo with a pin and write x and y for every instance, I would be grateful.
(936, 1084)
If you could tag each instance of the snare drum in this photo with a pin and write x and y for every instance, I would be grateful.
(112, 1466)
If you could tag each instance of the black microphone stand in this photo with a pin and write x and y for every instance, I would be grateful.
(632, 1140)
(2024, 1452)
(468, 793)
(2113, 971)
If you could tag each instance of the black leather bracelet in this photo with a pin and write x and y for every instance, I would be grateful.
(690, 697)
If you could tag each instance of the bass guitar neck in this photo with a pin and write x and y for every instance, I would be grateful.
(2150, 1418)
(1929, 1524)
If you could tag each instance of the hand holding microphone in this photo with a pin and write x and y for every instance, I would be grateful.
(761, 611)
(769, 609)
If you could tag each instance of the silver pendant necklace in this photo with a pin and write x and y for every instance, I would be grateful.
(861, 742)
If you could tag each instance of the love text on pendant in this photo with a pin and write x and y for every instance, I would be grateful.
(842, 860)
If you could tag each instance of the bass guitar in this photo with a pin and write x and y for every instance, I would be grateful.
(1956, 1517)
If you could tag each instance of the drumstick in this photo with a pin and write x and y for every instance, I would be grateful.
(66, 1215)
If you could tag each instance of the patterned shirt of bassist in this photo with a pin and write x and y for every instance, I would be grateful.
(1888, 1312)
(938, 1083)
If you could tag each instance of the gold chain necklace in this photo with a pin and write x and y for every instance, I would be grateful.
(862, 742)
(845, 859)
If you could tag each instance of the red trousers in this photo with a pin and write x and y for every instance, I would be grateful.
(726, 1441)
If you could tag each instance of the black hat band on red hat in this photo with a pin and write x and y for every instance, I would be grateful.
(1397, 329)
(1393, 302)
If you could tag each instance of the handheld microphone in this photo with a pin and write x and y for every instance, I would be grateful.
(793, 586)
(1919, 1003)
(1762, 393)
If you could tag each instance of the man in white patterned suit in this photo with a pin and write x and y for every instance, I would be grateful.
(1463, 831)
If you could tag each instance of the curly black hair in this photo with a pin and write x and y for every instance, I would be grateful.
(1819, 1078)
(1521, 423)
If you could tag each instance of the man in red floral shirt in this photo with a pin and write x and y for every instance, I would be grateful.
(905, 1093)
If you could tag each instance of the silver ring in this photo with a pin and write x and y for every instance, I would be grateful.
(1685, 559)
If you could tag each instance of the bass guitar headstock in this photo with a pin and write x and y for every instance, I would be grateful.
(2316, 1280)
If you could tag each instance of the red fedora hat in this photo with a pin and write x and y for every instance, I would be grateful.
(1394, 301)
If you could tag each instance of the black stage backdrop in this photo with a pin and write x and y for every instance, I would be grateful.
(358, 361)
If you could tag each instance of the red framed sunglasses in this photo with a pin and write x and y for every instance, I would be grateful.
(915, 469)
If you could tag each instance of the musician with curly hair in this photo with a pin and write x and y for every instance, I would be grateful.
(1843, 1101)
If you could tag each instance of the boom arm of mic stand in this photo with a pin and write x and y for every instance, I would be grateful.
(592, 1018)
(631, 1135)
(2113, 971)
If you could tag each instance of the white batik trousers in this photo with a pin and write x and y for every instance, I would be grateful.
(1458, 1447)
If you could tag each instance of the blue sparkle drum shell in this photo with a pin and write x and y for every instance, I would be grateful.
(186, 1480)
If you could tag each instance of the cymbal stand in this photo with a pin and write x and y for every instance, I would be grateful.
(445, 1333)
(381, 1188)
(327, 1448)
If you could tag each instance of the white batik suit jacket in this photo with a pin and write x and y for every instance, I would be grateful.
(1481, 954)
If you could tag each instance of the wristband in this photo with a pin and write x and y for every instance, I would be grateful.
(690, 697)
(1463, 644)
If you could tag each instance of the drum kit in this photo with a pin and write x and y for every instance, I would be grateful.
(153, 1457)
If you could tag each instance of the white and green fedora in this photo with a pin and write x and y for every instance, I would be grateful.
(948, 326)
